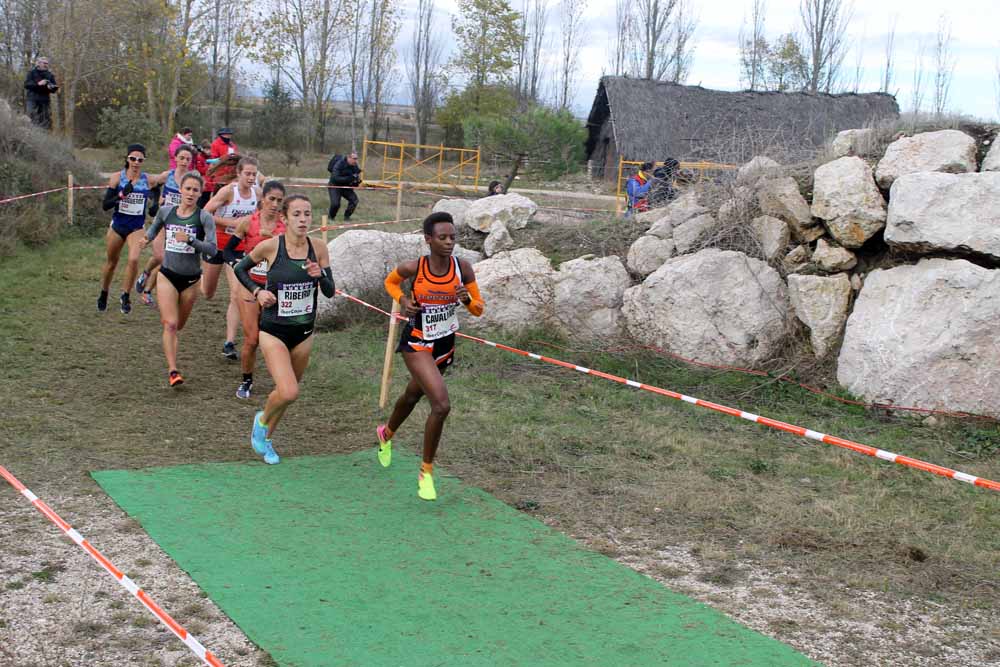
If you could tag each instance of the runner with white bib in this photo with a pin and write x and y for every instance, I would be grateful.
(188, 234)
(232, 202)
(183, 159)
(440, 282)
(128, 194)
(297, 266)
(251, 232)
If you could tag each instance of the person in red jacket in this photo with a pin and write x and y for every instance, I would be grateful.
(221, 147)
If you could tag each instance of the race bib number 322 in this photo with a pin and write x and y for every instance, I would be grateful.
(295, 299)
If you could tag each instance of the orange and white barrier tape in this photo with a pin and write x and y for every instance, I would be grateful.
(203, 654)
(348, 225)
(733, 412)
(33, 194)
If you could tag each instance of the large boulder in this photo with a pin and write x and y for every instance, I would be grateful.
(648, 253)
(925, 336)
(716, 306)
(992, 160)
(821, 304)
(852, 142)
(513, 210)
(772, 234)
(360, 259)
(846, 198)
(588, 297)
(676, 213)
(951, 212)
(831, 258)
(694, 234)
(497, 240)
(757, 168)
(948, 151)
(780, 198)
(517, 287)
(457, 208)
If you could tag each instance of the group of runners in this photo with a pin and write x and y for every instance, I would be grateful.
(258, 235)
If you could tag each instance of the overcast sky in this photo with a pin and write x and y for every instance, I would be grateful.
(975, 45)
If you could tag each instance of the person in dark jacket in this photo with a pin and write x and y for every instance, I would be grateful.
(40, 84)
(663, 191)
(345, 174)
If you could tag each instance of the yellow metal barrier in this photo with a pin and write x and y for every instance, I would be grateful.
(439, 165)
(627, 167)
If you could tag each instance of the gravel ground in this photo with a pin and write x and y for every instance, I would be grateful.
(59, 609)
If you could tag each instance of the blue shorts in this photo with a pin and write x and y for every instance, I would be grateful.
(124, 230)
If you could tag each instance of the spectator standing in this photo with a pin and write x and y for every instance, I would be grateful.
(345, 175)
(637, 188)
(181, 138)
(40, 84)
(223, 146)
(663, 191)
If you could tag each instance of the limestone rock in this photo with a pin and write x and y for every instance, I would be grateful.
(738, 208)
(832, 258)
(797, 259)
(757, 168)
(457, 208)
(852, 142)
(925, 336)
(948, 151)
(513, 210)
(992, 160)
(676, 213)
(695, 232)
(518, 288)
(497, 240)
(846, 198)
(950, 212)
(717, 306)
(648, 253)
(360, 259)
(773, 235)
(856, 282)
(588, 297)
(780, 198)
(821, 304)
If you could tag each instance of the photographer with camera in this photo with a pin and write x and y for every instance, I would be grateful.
(345, 175)
(40, 84)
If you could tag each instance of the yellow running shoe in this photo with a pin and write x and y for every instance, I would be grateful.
(384, 447)
(425, 486)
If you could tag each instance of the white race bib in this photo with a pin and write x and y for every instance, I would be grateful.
(172, 199)
(259, 270)
(173, 245)
(133, 204)
(295, 299)
(439, 321)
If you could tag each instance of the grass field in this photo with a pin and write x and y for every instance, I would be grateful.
(627, 473)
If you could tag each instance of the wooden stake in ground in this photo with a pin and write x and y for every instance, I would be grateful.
(390, 347)
(326, 219)
(69, 197)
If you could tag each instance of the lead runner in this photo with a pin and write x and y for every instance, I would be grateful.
(440, 282)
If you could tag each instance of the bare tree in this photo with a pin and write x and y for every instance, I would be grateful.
(422, 70)
(888, 68)
(537, 28)
(378, 76)
(571, 25)
(824, 24)
(682, 46)
(753, 47)
(917, 88)
(859, 66)
(944, 66)
(620, 42)
(653, 22)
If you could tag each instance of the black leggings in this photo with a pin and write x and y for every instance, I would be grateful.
(352, 202)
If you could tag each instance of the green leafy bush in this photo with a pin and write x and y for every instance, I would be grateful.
(123, 126)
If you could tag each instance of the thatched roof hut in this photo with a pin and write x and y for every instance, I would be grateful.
(652, 120)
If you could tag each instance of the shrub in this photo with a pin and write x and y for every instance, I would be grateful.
(123, 126)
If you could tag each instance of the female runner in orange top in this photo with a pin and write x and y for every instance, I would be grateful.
(440, 282)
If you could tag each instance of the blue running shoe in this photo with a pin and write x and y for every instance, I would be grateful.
(258, 436)
(270, 456)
